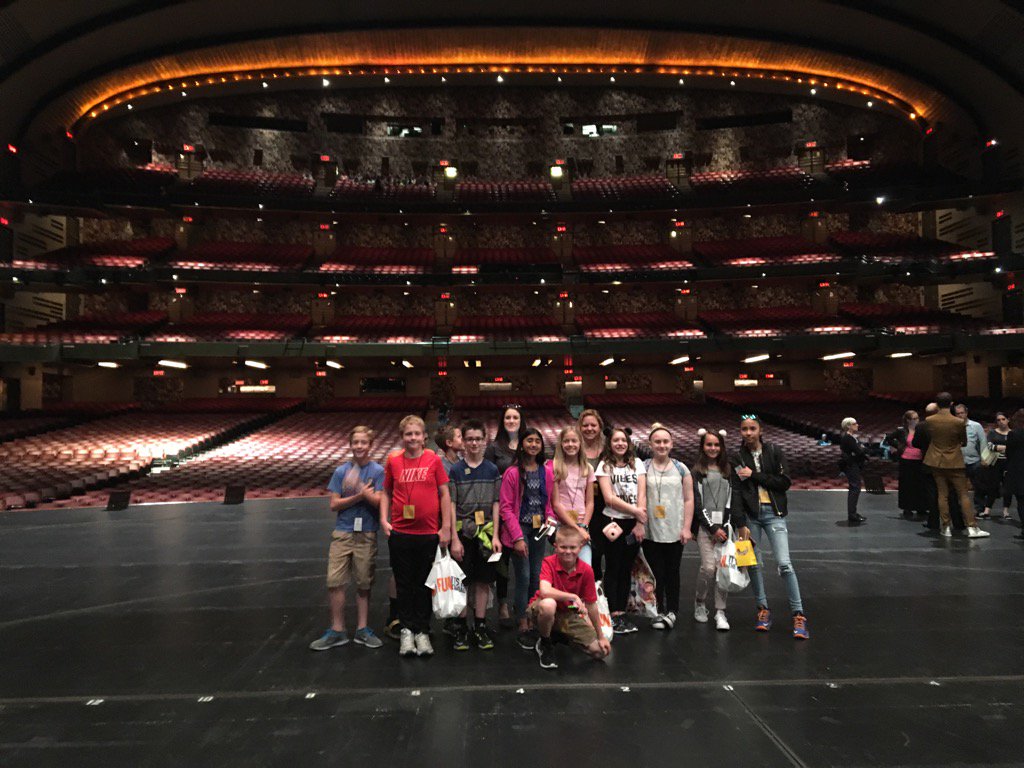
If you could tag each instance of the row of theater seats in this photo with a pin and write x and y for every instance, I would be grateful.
(759, 323)
(161, 178)
(885, 248)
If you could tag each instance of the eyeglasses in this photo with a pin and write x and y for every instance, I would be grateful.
(472, 439)
(745, 416)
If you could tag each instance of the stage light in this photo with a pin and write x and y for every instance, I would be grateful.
(896, 355)
(451, 172)
(681, 81)
(880, 199)
(556, 171)
(107, 364)
(607, 361)
(839, 356)
(756, 358)
(871, 103)
(326, 83)
(334, 364)
(172, 363)
(266, 84)
(611, 79)
(536, 363)
(130, 107)
(387, 80)
(256, 364)
(814, 91)
(407, 364)
(501, 79)
(679, 360)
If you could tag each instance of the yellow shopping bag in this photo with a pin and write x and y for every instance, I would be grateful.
(745, 553)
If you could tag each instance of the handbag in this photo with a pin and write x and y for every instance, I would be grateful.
(988, 455)
(730, 576)
(745, 553)
(604, 614)
(642, 599)
(447, 584)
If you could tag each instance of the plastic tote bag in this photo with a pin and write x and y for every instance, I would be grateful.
(731, 577)
(642, 599)
(447, 584)
(604, 614)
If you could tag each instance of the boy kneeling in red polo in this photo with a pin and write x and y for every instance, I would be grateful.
(566, 591)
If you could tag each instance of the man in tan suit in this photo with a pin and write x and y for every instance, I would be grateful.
(945, 460)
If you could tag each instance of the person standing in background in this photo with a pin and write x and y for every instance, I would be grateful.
(501, 452)
(976, 440)
(948, 434)
(591, 429)
(993, 476)
(912, 495)
(1014, 477)
(852, 463)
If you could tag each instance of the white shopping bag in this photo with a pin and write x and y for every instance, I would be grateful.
(604, 614)
(731, 577)
(642, 600)
(447, 583)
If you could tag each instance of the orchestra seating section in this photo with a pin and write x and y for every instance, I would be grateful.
(811, 466)
(782, 178)
(91, 329)
(387, 190)
(93, 455)
(107, 254)
(768, 322)
(504, 192)
(244, 257)
(606, 259)
(233, 326)
(637, 325)
(900, 249)
(533, 328)
(348, 259)
(763, 251)
(623, 189)
(14, 426)
(226, 181)
(910, 320)
(503, 257)
(385, 329)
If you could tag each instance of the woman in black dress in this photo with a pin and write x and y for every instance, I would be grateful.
(1014, 477)
(912, 497)
(852, 465)
(992, 477)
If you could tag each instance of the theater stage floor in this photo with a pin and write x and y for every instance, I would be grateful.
(176, 635)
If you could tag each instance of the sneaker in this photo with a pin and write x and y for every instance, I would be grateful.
(626, 626)
(800, 627)
(764, 620)
(329, 639)
(527, 640)
(406, 644)
(483, 638)
(393, 629)
(461, 642)
(670, 619)
(423, 646)
(546, 653)
(721, 623)
(659, 623)
(946, 532)
(365, 636)
(700, 613)
(450, 627)
(974, 532)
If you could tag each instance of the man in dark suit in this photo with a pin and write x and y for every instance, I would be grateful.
(946, 434)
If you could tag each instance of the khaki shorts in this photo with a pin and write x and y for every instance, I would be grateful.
(574, 626)
(352, 551)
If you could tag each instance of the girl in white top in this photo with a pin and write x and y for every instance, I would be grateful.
(670, 518)
(619, 476)
(573, 499)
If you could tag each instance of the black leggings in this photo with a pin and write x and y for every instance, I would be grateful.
(664, 559)
(618, 563)
(412, 557)
(853, 474)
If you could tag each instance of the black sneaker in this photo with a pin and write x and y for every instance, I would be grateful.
(527, 640)
(623, 626)
(483, 638)
(393, 629)
(546, 653)
(451, 627)
(461, 642)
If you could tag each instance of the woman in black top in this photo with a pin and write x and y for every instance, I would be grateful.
(1014, 477)
(912, 496)
(501, 452)
(992, 477)
(852, 464)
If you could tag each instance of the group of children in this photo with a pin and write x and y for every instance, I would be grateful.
(501, 506)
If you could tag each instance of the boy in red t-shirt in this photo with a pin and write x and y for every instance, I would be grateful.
(567, 589)
(414, 515)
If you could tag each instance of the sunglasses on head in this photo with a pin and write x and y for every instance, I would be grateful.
(745, 416)
(517, 406)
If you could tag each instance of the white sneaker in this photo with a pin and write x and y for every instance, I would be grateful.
(721, 623)
(423, 646)
(700, 612)
(946, 532)
(670, 620)
(659, 623)
(406, 645)
(976, 533)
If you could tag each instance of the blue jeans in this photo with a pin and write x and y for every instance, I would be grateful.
(775, 528)
(526, 571)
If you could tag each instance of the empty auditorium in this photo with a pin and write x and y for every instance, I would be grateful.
(415, 384)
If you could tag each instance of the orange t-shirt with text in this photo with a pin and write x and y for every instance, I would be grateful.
(414, 483)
